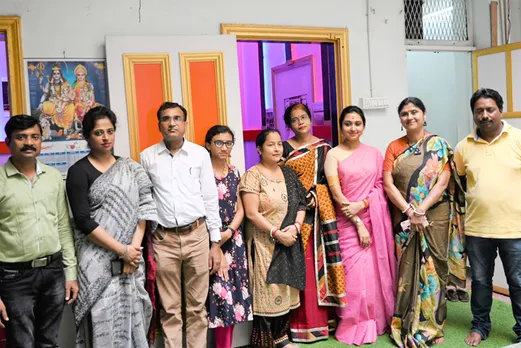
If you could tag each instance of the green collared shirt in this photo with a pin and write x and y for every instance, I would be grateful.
(34, 217)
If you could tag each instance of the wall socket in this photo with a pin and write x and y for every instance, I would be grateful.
(374, 103)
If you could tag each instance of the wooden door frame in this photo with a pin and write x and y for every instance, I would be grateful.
(339, 37)
(11, 27)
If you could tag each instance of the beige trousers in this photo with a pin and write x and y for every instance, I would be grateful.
(187, 255)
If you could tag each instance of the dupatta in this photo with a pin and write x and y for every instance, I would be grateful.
(119, 199)
(288, 265)
(308, 163)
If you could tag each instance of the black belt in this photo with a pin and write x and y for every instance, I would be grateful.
(36, 263)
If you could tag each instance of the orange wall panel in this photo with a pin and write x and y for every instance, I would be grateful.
(149, 96)
(205, 107)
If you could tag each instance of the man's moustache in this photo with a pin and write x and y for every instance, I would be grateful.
(27, 148)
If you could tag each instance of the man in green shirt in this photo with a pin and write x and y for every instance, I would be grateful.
(37, 259)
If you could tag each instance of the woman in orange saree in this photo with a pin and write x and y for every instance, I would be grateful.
(325, 285)
(428, 205)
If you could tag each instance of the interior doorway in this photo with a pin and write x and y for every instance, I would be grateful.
(12, 87)
(275, 75)
(295, 42)
(4, 87)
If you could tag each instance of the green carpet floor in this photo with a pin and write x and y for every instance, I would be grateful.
(456, 329)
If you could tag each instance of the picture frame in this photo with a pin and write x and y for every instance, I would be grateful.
(61, 91)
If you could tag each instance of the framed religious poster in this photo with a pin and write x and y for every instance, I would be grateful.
(60, 92)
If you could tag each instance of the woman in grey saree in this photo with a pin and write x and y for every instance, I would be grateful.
(111, 200)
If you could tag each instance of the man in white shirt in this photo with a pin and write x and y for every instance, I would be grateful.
(188, 211)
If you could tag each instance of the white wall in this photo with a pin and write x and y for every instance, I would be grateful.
(443, 82)
(481, 23)
(83, 26)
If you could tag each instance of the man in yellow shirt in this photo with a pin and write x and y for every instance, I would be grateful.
(37, 259)
(489, 162)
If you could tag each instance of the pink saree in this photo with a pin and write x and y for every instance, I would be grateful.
(370, 273)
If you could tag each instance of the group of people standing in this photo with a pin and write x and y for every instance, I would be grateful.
(182, 239)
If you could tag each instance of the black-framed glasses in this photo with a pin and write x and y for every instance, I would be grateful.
(220, 143)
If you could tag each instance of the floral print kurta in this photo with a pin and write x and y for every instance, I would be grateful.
(229, 302)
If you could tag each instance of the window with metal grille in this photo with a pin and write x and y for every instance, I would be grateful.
(436, 20)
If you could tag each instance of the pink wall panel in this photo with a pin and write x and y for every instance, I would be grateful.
(302, 50)
(274, 55)
(251, 156)
(3, 159)
(248, 55)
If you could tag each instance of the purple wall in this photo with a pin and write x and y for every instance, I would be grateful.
(248, 55)
(274, 54)
(302, 50)
(3, 159)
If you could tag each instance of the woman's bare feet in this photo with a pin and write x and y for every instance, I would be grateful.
(438, 340)
(474, 339)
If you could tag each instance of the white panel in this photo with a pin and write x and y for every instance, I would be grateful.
(294, 81)
(516, 79)
(116, 46)
(499, 278)
(492, 73)
(515, 122)
(449, 75)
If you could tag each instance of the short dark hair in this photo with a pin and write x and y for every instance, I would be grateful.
(215, 130)
(412, 100)
(261, 137)
(350, 109)
(94, 114)
(170, 105)
(289, 110)
(20, 123)
(486, 93)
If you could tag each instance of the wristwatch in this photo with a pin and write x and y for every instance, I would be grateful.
(357, 221)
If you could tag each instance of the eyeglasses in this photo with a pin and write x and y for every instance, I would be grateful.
(23, 137)
(220, 143)
(297, 119)
(177, 119)
(99, 132)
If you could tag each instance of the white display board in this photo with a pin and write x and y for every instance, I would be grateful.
(499, 68)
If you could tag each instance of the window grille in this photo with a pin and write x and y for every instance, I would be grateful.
(436, 20)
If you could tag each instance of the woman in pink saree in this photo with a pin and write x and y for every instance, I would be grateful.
(354, 175)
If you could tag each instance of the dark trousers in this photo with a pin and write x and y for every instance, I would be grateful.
(482, 252)
(34, 299)
(270, 332)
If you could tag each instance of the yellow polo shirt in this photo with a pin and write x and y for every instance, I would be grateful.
(493, 173)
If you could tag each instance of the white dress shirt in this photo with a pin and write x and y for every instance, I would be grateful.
(184, 186)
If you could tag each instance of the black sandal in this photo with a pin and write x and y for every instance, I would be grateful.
(452, 295)
(463, 296)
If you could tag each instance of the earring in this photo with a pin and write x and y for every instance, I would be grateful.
(424, 123)
(401, 128)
